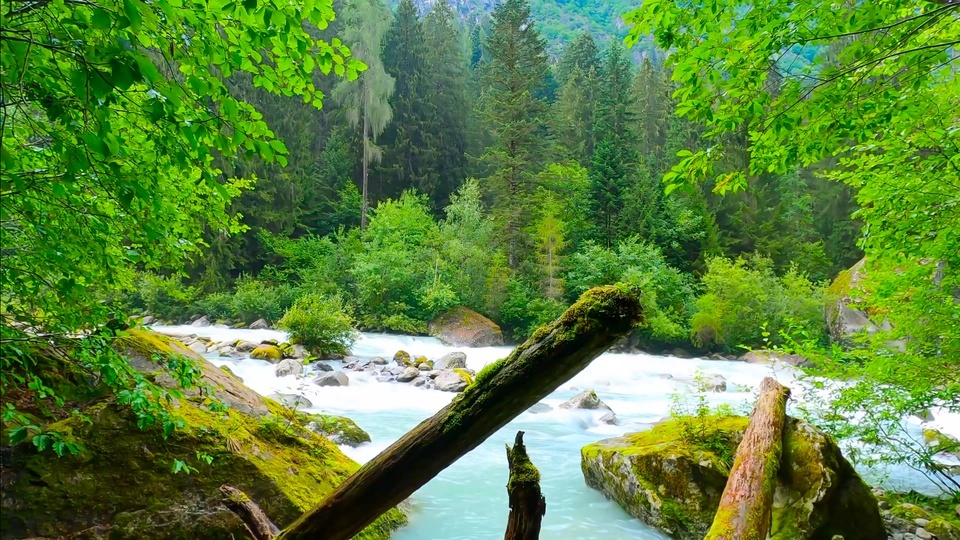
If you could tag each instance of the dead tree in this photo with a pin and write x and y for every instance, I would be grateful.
(527, 505)
(501, 391)
(746, 504)
(259, 525)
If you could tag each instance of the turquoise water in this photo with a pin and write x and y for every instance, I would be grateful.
(468, 500)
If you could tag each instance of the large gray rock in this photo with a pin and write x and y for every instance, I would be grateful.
(289, 366)
(294, 401)
(260, 324)
(148, 320)
(322, 366)
(844, 319)
(333, 378)
(450, 381)
(463, 327)
(339, 429)
(674, 483)
(587, 399)
(201, 322)
(408, 374)
(245, 346)
(451, 360)
(198, 347)
(379, 361)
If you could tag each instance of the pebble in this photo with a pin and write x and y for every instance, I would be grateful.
(922, 534)
(921, 522)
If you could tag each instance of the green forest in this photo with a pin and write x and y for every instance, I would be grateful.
(755, 170)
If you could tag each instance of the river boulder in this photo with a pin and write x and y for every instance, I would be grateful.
(338, 429)
(453, 380)
(201, 322)
(332, 378)
(120, 485)
(451, 360)
(260, 324)
(463, 327)
(673, 481)
(587, 399)
(403, 358)
(271, 353)
(289, 366)
(408, 374)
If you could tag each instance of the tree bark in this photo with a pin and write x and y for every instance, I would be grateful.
(501, 391)
(746, 503)
(527, 505)
(259, 525)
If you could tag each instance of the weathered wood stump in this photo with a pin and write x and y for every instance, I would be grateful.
(527, 505)
(745, 506)
(259, 525)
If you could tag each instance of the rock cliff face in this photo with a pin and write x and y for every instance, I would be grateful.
(672, 477)
(122, 485)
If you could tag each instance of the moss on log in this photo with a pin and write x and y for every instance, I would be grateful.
(527, 505)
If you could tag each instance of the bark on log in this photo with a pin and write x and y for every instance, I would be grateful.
(259, 525)
(501, 391)
(527, 505)
(746, 503)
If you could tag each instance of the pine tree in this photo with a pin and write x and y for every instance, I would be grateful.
(404, 141)
(654, 107)
(366, 100)
(615, 158)
(580, 56)
(515, 73)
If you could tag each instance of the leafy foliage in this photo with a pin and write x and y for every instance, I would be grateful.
(319, 323)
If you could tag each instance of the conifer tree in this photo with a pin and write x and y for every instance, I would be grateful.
(512, 79)
(366, 100)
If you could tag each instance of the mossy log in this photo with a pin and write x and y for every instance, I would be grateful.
(259, 525)
(746, 504)
(501, 391)
(527, 505)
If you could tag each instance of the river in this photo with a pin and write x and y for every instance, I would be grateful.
(468, 500)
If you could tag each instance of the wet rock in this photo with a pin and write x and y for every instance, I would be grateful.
(402, 358)
(322, 366)
(587, 399)
(386, 377)
(420, 381)
(539, 408)
(333, 378)
(260, 324)
(450, 380)
(198, 347)
(338, 429)
(408, 374)
(294, 401)
(380, 361)
(463, 327)
(610, 419)
(201, 322)
(228, 371)
(395, 370)
(267, 352)
(299, 351)
(451, 360)
(273, 342)
(289, 366)
(922, 534)
(244, 345)
(425, 367)
(149, 319)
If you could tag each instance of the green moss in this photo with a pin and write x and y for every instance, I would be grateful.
(943, 529)
(403, 358)
(464, 374)
(267, 352)
(909, 511)
(522, 470)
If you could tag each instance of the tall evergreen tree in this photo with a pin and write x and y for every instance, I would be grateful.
(581, 55)
(515, 73)
(404, 141)
(365, 101)
(615, 158)
(573, 112)
(447, 97)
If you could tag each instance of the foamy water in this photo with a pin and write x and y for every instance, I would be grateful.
(468, 500)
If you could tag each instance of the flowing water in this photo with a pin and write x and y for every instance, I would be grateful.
(468, 500)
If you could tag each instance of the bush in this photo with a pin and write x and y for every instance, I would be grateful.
(524, 310)
(166, 297)
(217, 306)
(746, 305)
(257, 300)
(320, 324)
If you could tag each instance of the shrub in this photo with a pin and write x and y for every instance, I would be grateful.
(166, 297)
(217, 306)
(258, 300)
(524, 309)
(746, 305)
(319, 323)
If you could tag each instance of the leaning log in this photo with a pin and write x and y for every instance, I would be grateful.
(527, 505)
(500, 392)
(257, 522)
(746, 504)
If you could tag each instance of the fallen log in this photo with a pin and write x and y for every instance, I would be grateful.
(527, 505)
(746, 504)
(257, 522)
(500, 392)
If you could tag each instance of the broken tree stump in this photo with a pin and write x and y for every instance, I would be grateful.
(527, 505)
(746, 504)
(502, 390)
(259, 525)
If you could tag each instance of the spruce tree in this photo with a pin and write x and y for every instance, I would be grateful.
(515, 73)
(573, 112)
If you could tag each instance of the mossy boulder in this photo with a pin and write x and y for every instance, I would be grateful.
(339, 429)
(271, 353)
(673, 482)
(463, 327)
(403, 358)
(121, 485)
